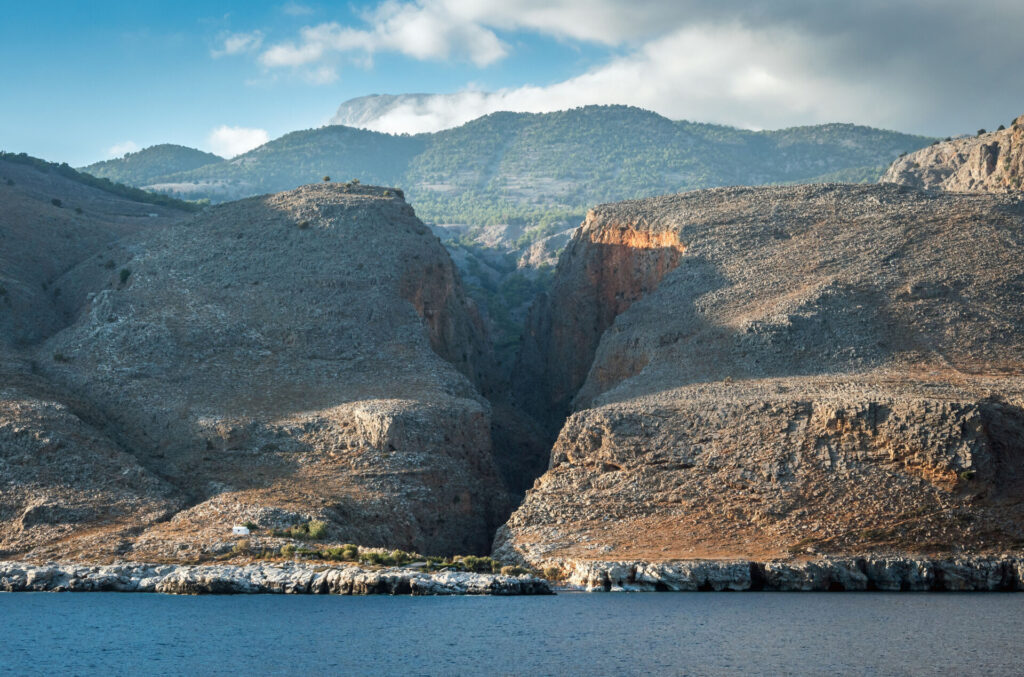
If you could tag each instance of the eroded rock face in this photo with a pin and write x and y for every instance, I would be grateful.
(987, 163)
(603, 271)
(310, 354)
(828, 369)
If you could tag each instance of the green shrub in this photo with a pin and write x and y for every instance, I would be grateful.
(287, 550)
(60, 357)
(78, 210)
(241, 547)
(124, 275)
(251, 526)
(109, 265)
(981, 131)
(317, 530)
(552, 573)
(327, 179)
(482, 565)
(56, 202)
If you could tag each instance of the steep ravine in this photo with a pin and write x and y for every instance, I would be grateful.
(605, 268)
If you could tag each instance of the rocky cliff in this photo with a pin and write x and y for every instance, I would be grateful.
(992, 162)
(306, 355)
(769, 372)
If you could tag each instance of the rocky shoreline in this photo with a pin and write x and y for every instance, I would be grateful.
(287, 578)
(827, 574)
(889, 574)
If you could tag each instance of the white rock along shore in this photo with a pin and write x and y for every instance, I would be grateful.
(825, 574)
(287, 578)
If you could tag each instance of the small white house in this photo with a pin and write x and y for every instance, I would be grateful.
(239, 530)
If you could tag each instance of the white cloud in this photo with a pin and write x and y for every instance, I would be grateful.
(231, 141)
(431, 32)
(120, 149)
(324, 75)
(296, 9)
(756, 63)
(238, 43)
(730, 75)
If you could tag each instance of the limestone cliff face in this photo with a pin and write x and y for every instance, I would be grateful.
(305, 355)
(829, 369)
(607, 266)
(990, 163)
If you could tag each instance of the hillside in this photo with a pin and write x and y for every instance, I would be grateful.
(61, 472)
(143, 167)
(991, 162)
(758, 373)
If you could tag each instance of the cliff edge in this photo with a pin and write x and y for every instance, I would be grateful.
(991, 162)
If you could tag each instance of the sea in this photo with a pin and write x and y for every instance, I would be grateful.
(747, 633)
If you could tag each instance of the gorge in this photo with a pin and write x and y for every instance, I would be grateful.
(765, 379)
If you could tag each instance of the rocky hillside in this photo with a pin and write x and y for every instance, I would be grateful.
(761, 372)
(990, 162)
(62, 474)
(302, 356)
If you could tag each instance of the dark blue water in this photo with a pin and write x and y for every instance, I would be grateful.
(578, 634)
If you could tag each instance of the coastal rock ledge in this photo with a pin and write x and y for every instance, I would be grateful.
(289, 579)
(827, 574)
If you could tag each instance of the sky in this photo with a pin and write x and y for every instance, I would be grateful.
(84, 80)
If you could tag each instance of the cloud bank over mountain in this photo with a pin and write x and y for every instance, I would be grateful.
(920, 65)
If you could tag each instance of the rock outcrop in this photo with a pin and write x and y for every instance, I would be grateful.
(992, 162)
(759, 373)
(289, 579)
(889, 574)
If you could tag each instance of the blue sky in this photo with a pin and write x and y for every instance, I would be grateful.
(81, 80)
(82, 77)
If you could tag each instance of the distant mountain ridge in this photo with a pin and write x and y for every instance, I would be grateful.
(538, 168)
(149, 164)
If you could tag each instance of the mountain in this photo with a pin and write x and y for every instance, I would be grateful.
(364, 111)
(763, 373)
(538, 169)
(748, 376)
(305, 356)
(991, 162)
(144, 166)
(507, 180)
